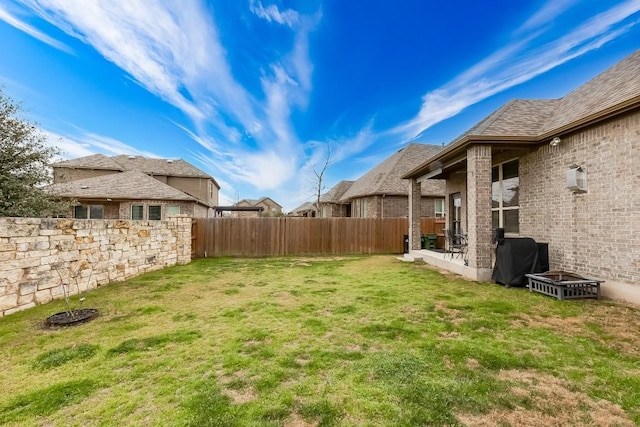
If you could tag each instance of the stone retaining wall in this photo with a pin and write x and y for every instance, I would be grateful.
(37, 255)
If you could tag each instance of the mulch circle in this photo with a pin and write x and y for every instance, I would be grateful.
(71, 318)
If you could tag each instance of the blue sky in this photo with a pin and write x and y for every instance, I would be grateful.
(257, 92)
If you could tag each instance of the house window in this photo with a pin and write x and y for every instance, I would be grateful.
(81, 212)
(456, 213)
(363, 208)
(88, 212)
(137, 212)
(173, 210)
(155, 213)
(96, 212)
(439, 208)
(505, 195)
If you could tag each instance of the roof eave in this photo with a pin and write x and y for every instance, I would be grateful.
(592, 119)
(455, 149)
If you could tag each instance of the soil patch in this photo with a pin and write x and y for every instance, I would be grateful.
(550, 402)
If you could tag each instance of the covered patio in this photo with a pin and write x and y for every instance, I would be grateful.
(443, 260)
(482, 194)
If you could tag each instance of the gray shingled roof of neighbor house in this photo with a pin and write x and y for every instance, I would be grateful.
(386, 178)
(305, 207)
(336, 192)
(125, 185)
(166, 167)
(254, 202)
(95, 161)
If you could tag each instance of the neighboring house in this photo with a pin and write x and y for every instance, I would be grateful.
(270, 207)
(382, 193)
(307, 209)
(134, 187)
(561, 171)
(330, 203)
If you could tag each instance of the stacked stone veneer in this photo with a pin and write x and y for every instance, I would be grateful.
(37, 255)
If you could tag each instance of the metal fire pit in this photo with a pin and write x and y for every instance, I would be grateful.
(564, 285)
(71, 318)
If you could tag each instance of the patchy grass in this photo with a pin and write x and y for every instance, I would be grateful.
(321, 342)
(60, 356)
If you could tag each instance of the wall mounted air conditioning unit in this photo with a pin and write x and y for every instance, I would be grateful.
(577, 179)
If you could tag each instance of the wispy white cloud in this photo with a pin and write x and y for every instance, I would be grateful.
(173, 50)
(170, 49)
(547, 13)
(519, 62)
(86, 144)
(271, 13)
(32, 31)
(68, 148)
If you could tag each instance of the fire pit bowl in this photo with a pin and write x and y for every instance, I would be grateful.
(71, 318)
(564, 285)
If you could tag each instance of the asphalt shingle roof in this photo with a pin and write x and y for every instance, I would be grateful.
(336, 192)
(125, 185)
(255, 202)
(522, 117)
(386, 178)
(167, 167)
(614, 86)
(96, 161)
(305, 207)
(615, 90)
(536, 117)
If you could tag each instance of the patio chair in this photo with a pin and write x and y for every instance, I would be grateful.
(456, 244)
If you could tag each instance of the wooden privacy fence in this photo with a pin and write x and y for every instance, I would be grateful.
(260, 237)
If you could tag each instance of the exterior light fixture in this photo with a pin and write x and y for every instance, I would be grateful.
(555, 141)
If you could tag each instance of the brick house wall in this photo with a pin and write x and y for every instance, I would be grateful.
(390, 207)
(270, 208)
(457, 183)
(249, 214)
(186, 208)
(593, 233)
(334, 210)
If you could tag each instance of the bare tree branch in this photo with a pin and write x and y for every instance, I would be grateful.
(319, 180)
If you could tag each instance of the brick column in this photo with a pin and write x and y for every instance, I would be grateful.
(479, 205)
(415, 196)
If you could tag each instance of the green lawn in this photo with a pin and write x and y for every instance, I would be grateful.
(318, 342)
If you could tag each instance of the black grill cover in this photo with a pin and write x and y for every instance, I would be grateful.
(516, 257)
